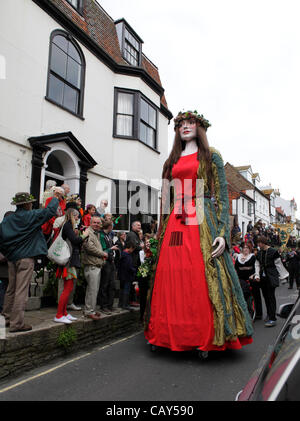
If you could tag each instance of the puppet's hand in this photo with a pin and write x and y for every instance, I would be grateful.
(220, 249)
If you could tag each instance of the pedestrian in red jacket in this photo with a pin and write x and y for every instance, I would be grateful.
(48, 226)
(90, 211)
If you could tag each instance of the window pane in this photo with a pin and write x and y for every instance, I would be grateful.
(123, 223)
(124, 125)
(154, 202)
(125, 103)
(61, 42)
(143, 133)
(73, 73)
(152, 117)
(74, 3)
(127, 56)
(144, 111)
(150, 137)
(135, 54)
(56, 89)
(72, 51)
(136, 44)
(131, 54)
(132, 40)
(70, 99)
(58, 61)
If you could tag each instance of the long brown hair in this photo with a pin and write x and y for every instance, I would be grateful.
(70, 216)
(179, 145)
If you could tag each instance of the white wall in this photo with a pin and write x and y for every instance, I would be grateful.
(262, 210)
(15, 173)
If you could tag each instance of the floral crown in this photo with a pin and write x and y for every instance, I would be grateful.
(187, 115)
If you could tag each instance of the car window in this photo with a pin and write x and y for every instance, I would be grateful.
(283, 365)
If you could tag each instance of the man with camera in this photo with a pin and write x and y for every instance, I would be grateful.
(21, 240)
(93, 258)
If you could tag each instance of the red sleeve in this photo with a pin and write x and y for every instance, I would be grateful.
(86, 220)
(62, 204)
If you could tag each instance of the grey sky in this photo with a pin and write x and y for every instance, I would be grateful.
(238, 63)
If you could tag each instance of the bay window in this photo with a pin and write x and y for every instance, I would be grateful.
(135, 117)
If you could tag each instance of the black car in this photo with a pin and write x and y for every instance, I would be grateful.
(278, 375)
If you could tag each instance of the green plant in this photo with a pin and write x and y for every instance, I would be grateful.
(146, 269)
(67, 338)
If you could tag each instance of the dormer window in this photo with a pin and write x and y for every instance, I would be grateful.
(131, 49)
(130, 43)
(77, 4)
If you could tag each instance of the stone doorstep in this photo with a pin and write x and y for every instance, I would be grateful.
(33, 303)
(26, 350)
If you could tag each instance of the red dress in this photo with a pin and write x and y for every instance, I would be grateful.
(181, 311)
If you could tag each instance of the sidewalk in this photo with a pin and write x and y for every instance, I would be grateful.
(20, 352)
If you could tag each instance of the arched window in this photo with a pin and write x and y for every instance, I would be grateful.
(66, 73)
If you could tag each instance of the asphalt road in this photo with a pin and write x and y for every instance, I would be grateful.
(127, 371)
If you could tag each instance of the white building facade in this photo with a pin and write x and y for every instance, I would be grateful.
(80, 104)
(261, 202)
(288, 206)
(270, 193)
(243, 208)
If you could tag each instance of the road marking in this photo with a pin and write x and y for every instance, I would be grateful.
(119, 341)
(44, 373)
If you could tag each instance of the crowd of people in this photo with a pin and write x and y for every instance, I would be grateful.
(254, 232)
(262, 264)
(106, 256)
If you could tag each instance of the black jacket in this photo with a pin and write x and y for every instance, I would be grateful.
(268, 268)
(134, 237)
(75, 241)
(118, 252)
(293, 260)
(126, 270)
